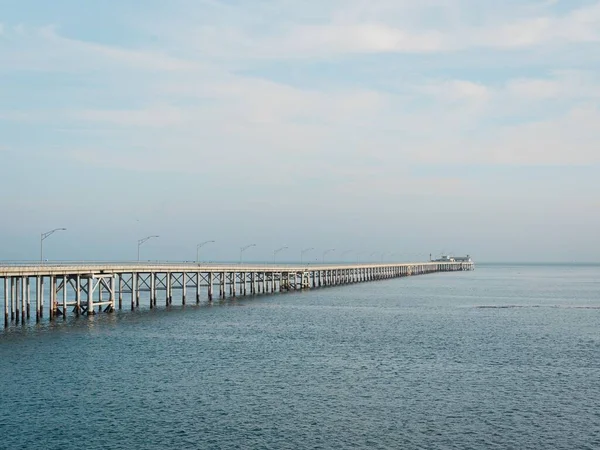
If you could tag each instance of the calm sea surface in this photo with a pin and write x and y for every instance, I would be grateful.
(507, 356)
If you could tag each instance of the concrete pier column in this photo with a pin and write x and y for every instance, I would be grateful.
(78, 294)
(252, 285)
(136, 283)
(120, 290)
(222, 285)
(210, 286)
(112, 294)
(169, 296)
(90, 296)
(152, 290)
(233, 283)
(100, 295)
(134, 289)
(183, 288)
(23, 307)
(13, 296)
(64, 297)
(197, 287)
(244, 275)
(41, 296)
(9, 297)
(16, 299)
(38, 297)
(52, 299)
(28, 297)
(6, 315)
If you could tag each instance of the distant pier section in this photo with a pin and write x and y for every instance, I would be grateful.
(58, 289)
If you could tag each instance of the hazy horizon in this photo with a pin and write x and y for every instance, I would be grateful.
(458, 126)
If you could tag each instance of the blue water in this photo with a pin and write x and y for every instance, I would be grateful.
(503, 357)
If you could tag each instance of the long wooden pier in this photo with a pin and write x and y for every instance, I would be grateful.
(90, 288)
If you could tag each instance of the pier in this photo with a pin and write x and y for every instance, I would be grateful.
(59, 289)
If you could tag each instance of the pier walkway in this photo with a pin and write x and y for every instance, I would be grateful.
(90, 288)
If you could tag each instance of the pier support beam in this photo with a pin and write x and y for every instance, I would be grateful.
(134, 289)
(38, 298)
(197, 288)
(5, 279)
(137, 289)
(90, 296)
(52, 299)
(169, 295)
(28, 297)
(120, 290)
(152, 290)
(64, 297)
(78, 294)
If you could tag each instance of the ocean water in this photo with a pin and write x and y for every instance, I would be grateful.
(507, 356)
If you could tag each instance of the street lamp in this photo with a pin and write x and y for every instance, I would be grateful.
(277, 251)
(43, 237)
(141, 241)
(358, 256)
(198, 247)
(329, 250)
(243, 249)
(303, 252)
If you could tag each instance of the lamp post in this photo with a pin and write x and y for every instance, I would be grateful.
(198, 247)
(303, 252)
(243, 249)
(43, 238)
(358, 257)
(277, 251)
(142, 241)
(372, 254)
(329, 250)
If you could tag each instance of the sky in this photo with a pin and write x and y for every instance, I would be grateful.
(384, 129)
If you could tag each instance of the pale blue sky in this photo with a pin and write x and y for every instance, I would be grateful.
(470, 126)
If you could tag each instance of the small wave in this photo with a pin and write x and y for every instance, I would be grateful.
(505, 306)
(535, 306)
